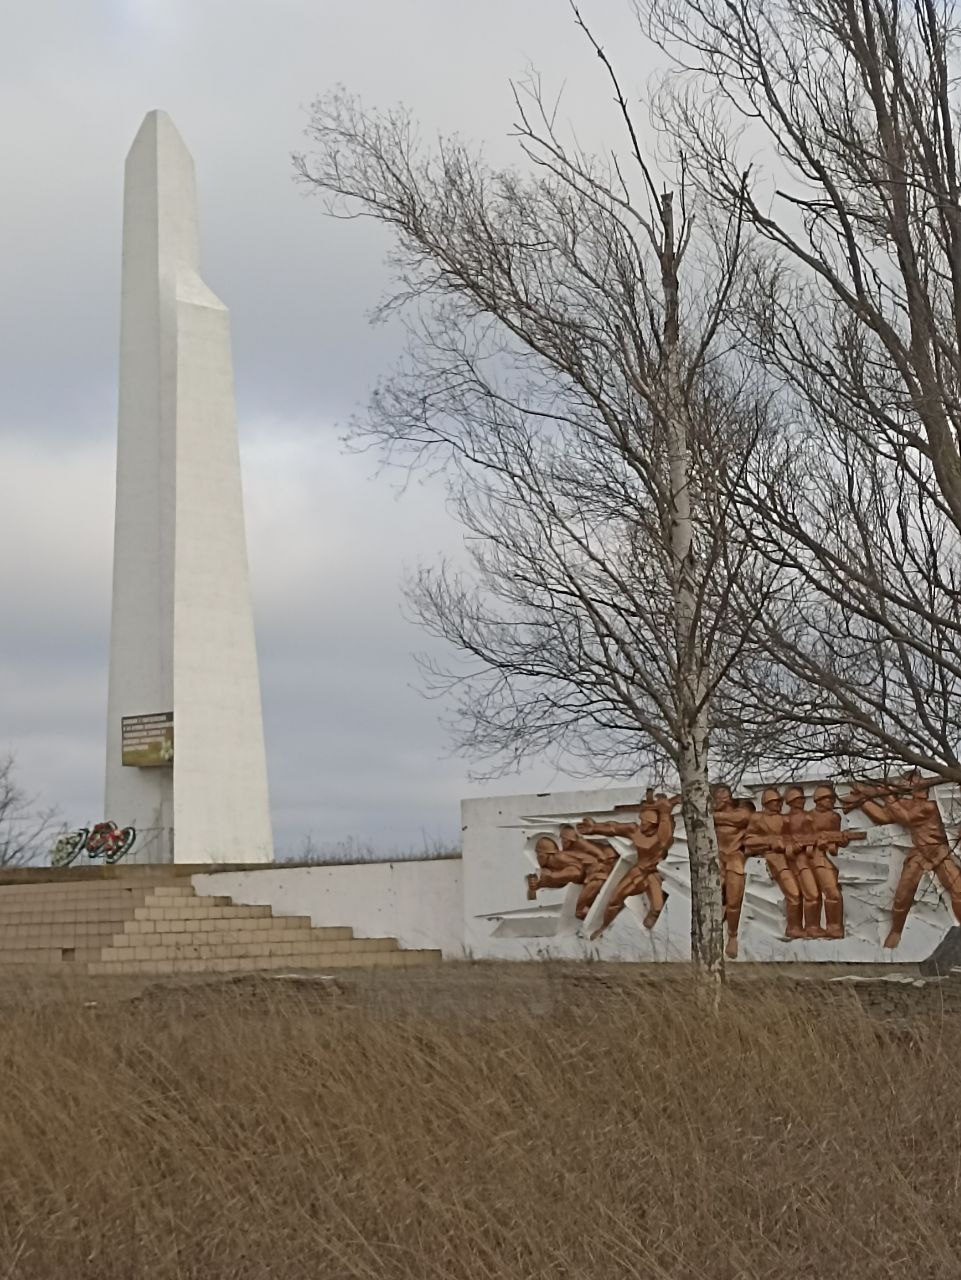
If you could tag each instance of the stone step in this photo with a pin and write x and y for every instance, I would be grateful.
(266, 945)
(198, 909)
(127, 933)
(233, 931)
(83, 936)
(47, 901)
(65, 915)
(22, 928)
(243, 964)
(155, 924)
(50, 957)
(214, 924)
(123, 908)
(79, 891)
(92, 873)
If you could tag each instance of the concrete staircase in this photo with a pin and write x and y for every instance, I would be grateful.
(148, 922)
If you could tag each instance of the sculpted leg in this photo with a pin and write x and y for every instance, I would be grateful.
(733, 898)
(830, 887)
(592, 887)
(904, 899)
(792, 903)
(633, 882)
(656, 897)
(811, 898)
(949, 873)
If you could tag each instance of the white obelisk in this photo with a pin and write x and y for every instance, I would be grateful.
(182, 635)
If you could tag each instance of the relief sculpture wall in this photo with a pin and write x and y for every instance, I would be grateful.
(810, 871)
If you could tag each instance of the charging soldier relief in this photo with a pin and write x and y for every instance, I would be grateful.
(796, 834)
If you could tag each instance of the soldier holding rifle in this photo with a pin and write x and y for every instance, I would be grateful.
(909, 804)
(829, 840)
(730, 827)
(651, 837)
(766, 836)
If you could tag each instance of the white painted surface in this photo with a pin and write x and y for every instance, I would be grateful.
(182, 636)
(500, 923)
(420, 903)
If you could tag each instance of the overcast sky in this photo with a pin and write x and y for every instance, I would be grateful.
(353, 749)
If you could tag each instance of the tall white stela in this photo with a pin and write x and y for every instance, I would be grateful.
(182, 635)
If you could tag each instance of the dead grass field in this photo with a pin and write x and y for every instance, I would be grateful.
(478, 1122)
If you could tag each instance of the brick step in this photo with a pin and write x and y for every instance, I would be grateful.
(116, 884)
(198, 908)
(192, 949)
(101, 951)
(200, 924)
(122, 909)
(24, 928)
(49, 957)
(54, 932)
(214, 924)
(72, 924)
(50, 901)
(64, 916)
(45, 938)
(88, 873)
(232, 931)
(243, 964)
(78, 892)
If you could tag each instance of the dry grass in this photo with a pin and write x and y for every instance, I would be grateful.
(592, 1127)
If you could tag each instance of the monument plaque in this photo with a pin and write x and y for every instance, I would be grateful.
(147, 741)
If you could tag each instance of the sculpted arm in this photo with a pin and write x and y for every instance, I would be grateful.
(665, 831)
(591, 828)
(877, 812)
(587, 846)
(758, 841)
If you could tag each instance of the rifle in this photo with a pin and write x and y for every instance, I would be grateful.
(840, 838)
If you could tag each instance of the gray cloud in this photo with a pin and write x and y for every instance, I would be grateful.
(353, 748)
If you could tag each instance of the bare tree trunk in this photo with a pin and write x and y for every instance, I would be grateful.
(586, 433)
(707, 932)
(707, 915)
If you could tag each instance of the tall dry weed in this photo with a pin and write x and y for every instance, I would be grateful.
(567, 1129)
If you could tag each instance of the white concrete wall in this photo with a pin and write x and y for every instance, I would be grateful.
(500, 923)
(420, 903)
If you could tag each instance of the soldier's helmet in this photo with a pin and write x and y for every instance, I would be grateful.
(824, 791)
(793, 793)
(770, 794)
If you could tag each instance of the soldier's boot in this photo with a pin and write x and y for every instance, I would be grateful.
(652, 917)
(812, 919)
(610, 915)
(732, 919)
(834, 918)
(795, 921)
(898, 917)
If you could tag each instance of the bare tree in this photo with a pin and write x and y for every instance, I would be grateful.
(25, 830)
(568, 366)
(853, 229)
